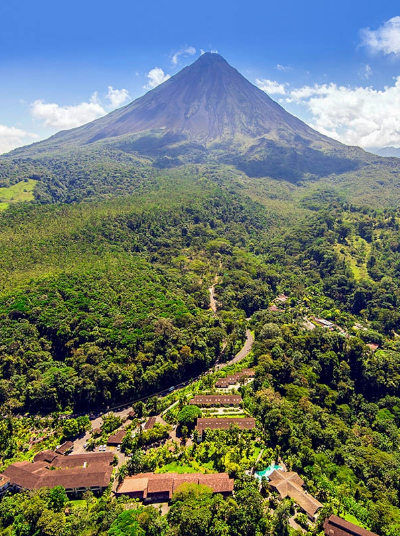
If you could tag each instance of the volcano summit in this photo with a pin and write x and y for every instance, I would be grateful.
(207, 113)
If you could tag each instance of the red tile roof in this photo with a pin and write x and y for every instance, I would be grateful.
(117, 437)
(336, 526)
(150, 423)
(167, 483)
(244, 423)
(289, 484)
(89, 470)
(65, 447)
(235, 378)
(45, 456)
(212, 400)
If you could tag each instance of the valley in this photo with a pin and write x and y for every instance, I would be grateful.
(204, 286)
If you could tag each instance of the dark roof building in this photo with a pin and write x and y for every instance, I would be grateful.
(76, 473)
(235, 378)
(211, 423)
(116, 438)
(152, 487)
(150, 423)
(336, 526)
(215, 400)
(289, 484)
(65, 447)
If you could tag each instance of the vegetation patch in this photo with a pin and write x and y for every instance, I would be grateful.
(17, 193)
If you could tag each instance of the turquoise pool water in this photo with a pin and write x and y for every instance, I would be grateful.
(267, 471)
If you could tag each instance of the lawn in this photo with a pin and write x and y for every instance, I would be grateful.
(22, 191)
(352, 519)
(176, 467)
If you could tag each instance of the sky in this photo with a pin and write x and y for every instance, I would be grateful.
(334, 64)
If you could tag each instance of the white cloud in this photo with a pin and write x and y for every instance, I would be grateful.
(271, 87)
(385, 39)
(156, 77)
(188, 51)
(70, 116)
(283, 68)
(64, 117)
(117, 97)
(12, 137)
(362, 116)
(357, 116)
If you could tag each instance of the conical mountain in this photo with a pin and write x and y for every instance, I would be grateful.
(206, 101)
(207, 112)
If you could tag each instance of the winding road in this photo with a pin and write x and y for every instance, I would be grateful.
(123, 410)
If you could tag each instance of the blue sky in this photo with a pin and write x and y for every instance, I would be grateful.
(335, 64)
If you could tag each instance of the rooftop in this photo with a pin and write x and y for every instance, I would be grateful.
(150, 423)
(289, 484)
(234, 378)
(336, 526)
(117, 437)
(210, 400)
(244, 423)
(64, 447)
(75, 471)
(167, 483)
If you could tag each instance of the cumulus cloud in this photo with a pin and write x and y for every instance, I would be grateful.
(117, 97)
(64, 117)
(271, 87)
(385, 39)
(361, 116)
(12, 137)
(357, 116)
(188, 51)
(70, 116)
(156, 77)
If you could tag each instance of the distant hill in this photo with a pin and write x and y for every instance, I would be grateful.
(386, 151)
(207, 114)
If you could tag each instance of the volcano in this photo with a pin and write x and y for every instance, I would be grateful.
(206, 101)
(209, 112)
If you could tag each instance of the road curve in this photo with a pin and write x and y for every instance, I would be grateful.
(243, 352)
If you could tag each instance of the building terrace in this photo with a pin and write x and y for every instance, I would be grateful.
(336, 526)
(216, 400)
(153, 487)
(76, 473)
(116, 438)
(215, 423)
(235, 378)
(289, 484)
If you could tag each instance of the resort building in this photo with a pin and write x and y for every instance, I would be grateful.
(116, 439)
(233, 379)
(4, 484)
(65, 448)
(216, 400)
(244, 423)
(289, 484)
(76, 473)
(150, 423)
(152, 487)
(324, 323)
(336, 526)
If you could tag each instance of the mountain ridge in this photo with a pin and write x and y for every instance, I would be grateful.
(207, 113)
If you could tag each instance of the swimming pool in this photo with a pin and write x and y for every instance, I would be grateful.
(267, 471)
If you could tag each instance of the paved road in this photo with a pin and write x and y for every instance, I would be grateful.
(124, 411)
(96, 423)
(213, 301)
(243, 352)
